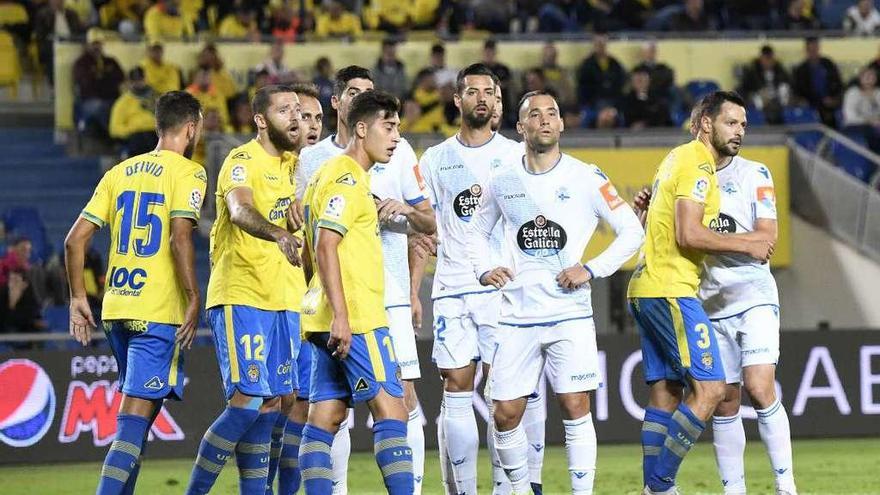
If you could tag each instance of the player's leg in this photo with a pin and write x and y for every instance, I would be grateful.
(760, 345)
(289, 330)
(534, 420)
(340, 452)
(693, 347)
(289, 477)
(572, 362)
(277, 445)
(371, 371)
(329, 394)
(500, 483)
(728, 435)
(240, 349)
(455, 351)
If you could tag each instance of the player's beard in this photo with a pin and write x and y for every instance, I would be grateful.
(474, 121)
(279, 138)
(190, 149)
(724, 148)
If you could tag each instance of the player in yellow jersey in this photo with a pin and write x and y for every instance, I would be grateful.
(343, 312)
(678, 345)
(252, 293)
(151, 203)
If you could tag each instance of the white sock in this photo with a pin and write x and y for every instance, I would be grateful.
(776, 434)
(533, 421)
(500, 483)
(729, 439)
(513, 452)
(446, 475)
(415, 438)
(339, 453)
(462, 439)
(580, 447)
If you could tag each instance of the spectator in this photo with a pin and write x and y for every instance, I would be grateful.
(490, 59)
(211, 99)
(608, 117)
(443, 75)
(390, 73)
(766, 85)
(285, 24)
(423, 13)
(601, 78)
(274, 65)
(324, 81)
(261, 78)
(662, 76)
(862, 19)
(96, 79)
(861, 108)
(553, 17)
(17, 258)
(160, 75)
(534, 80)
(424, 108)
(693, 18)
(209, 59)
(337, 23)
(14, 18)
(752, 14)
(817, 81)
(84, 10)
(123, 14)
(240, 25)
(642, 109)
(20, 309)
(211, 127)
(166, 21)
(558, 78)
(491, 15)
(242, 116)
(132, 119)
(387, 15)
(53, 21)
(800, 16)
(632, 14)
(572, 117)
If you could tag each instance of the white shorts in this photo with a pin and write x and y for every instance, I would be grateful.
(464, 329)
(568, 349)
(748, 339)
(403, 337)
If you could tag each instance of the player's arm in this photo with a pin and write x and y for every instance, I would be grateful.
(763, 198)
(184, 255)
(75, 246)
(419, 248)
(243, 214)
(478, 234)
(419, 216)
(329, 270)
(308, 269)
(690, 233)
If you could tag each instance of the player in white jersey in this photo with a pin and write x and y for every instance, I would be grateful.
(403, 204)
(465, 313)
(550, 204)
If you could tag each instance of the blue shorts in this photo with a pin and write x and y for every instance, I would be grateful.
(677, 339)
(150, 361)
(256, 349)
(369, 367)
(304, 371)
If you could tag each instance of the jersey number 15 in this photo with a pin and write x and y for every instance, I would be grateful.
(136, 214)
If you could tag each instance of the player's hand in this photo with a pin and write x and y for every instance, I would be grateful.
(573, 277)
(186, 332)
(388, 209)
(416, 309)
(423, 245)
(81, 320)
(497, 277)
(295, 215)
(340, 337)
(761, 250)
(289, 245)
(641, 203)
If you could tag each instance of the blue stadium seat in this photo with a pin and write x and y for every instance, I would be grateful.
(852, 162)
(26, 221)
(58, 319)
(755, 117)
(699, 88)
(832, 12)
(809, 140)
(800, 115)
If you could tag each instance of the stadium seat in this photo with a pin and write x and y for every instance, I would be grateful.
(58, 320)
(853, 162)
(755, 117)
(800, 115)
(699, 88)
(27, 222)
(832, 12)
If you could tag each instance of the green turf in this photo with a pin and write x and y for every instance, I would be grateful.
(845, 467)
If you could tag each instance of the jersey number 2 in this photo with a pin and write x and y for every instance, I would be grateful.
(136, 214)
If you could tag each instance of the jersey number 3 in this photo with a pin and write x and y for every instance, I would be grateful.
(136, 214)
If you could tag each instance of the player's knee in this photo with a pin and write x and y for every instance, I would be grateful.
(508, 414)
(460, 380)
(271, 405)
(288, 402)
(762, 395)
(386, 406)
(410, 398)
(574, 406)
(730, 405)
(710, 393)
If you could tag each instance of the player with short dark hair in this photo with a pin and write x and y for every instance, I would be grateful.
(344, 320)
(254, 293)
(678, 344)
(151, 202)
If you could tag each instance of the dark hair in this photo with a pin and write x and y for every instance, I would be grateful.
(490, 44)
(176, 108)
(389, 42)
(136, 74)
(368, 105)
(322, 61)
(305, 88)
(346, 74)
(438, 49)
(767, 50)
(263, 96)
(537, 92)
(473, 70)
(811, 39)
(711, 104)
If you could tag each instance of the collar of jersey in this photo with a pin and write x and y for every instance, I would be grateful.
(352, 166)
(703, 153)
(262, 157)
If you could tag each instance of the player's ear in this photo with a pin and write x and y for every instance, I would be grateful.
(520, 129)
(361, 129)
(706, 123)
(334, 102)
(456, 99)
(260, 120)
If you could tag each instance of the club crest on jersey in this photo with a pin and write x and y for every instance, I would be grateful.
(707, 360)
(495, 163)
(238, 174)
(729, 187)
(346, 179)
(467, 201)
(541, 237)
(253, 373)
(724, 224)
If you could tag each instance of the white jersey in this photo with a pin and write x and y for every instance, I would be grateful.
(734, 283)
(398, 179)
(455, 175)
(547, 222)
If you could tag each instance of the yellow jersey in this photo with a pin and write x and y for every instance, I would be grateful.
(162, 77)
(246, 270)
(137, 199)
(664, 269)
(338, 198)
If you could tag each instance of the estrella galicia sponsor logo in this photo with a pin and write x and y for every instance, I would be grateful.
(724, 224)
(541, 237)
(467, 201)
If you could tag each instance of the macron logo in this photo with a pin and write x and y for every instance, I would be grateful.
(538, 447)
(459, 462)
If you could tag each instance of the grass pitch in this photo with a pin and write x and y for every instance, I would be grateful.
(844, 467)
